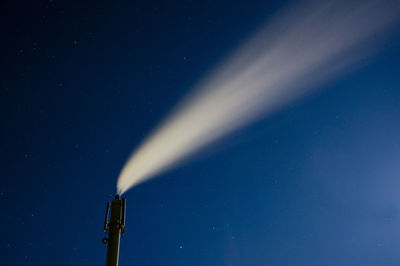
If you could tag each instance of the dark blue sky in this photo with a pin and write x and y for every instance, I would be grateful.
(83, 83)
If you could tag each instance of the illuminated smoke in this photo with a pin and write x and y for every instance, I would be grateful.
(302, 47)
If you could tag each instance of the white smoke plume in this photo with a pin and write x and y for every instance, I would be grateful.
(303, 46)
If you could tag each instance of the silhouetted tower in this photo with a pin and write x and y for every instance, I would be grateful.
(115, 227)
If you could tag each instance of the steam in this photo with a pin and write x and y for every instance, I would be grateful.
(302, 47)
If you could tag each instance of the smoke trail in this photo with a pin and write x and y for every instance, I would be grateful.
(304, 46)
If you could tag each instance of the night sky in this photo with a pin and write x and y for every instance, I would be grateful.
(84, 82)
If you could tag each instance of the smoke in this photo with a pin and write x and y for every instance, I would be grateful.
(302, 47)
